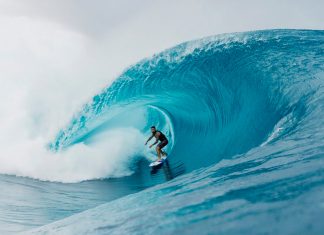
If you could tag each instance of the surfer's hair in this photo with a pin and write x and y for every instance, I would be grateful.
(153, 127)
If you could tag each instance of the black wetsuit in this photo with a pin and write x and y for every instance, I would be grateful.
(163, 140)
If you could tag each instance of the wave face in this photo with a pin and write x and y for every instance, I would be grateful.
(249, 106)
(214, 97)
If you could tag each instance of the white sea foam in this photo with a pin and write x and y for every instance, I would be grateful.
(109, 156)
(44, 81)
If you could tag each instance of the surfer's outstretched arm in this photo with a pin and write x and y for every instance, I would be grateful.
(149, 139)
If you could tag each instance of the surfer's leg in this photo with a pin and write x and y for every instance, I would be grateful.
(158, 151)
(162, 145)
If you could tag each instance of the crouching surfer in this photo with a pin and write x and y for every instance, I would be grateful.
(159, 136)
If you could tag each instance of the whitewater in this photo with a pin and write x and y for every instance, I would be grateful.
(244, 116)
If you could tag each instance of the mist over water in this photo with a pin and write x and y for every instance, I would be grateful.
(40, 92)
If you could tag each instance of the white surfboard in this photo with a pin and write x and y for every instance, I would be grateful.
(156, 163)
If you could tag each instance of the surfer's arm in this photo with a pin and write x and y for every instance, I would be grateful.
(157, 139)
(149, 139)
(154, 143)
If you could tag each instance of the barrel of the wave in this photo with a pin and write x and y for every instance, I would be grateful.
(224, 95)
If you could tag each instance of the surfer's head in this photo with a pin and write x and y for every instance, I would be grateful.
(153, 129)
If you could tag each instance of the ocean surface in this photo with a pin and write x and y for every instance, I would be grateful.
(244, 113)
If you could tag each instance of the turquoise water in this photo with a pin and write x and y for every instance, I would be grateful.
(244, 115)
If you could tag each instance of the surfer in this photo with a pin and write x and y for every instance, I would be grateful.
(159, 136)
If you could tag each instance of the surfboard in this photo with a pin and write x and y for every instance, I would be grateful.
(156, 163)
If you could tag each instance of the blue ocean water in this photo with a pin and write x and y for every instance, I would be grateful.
(244, 115)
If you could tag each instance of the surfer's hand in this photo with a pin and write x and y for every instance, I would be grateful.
(150, 146)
